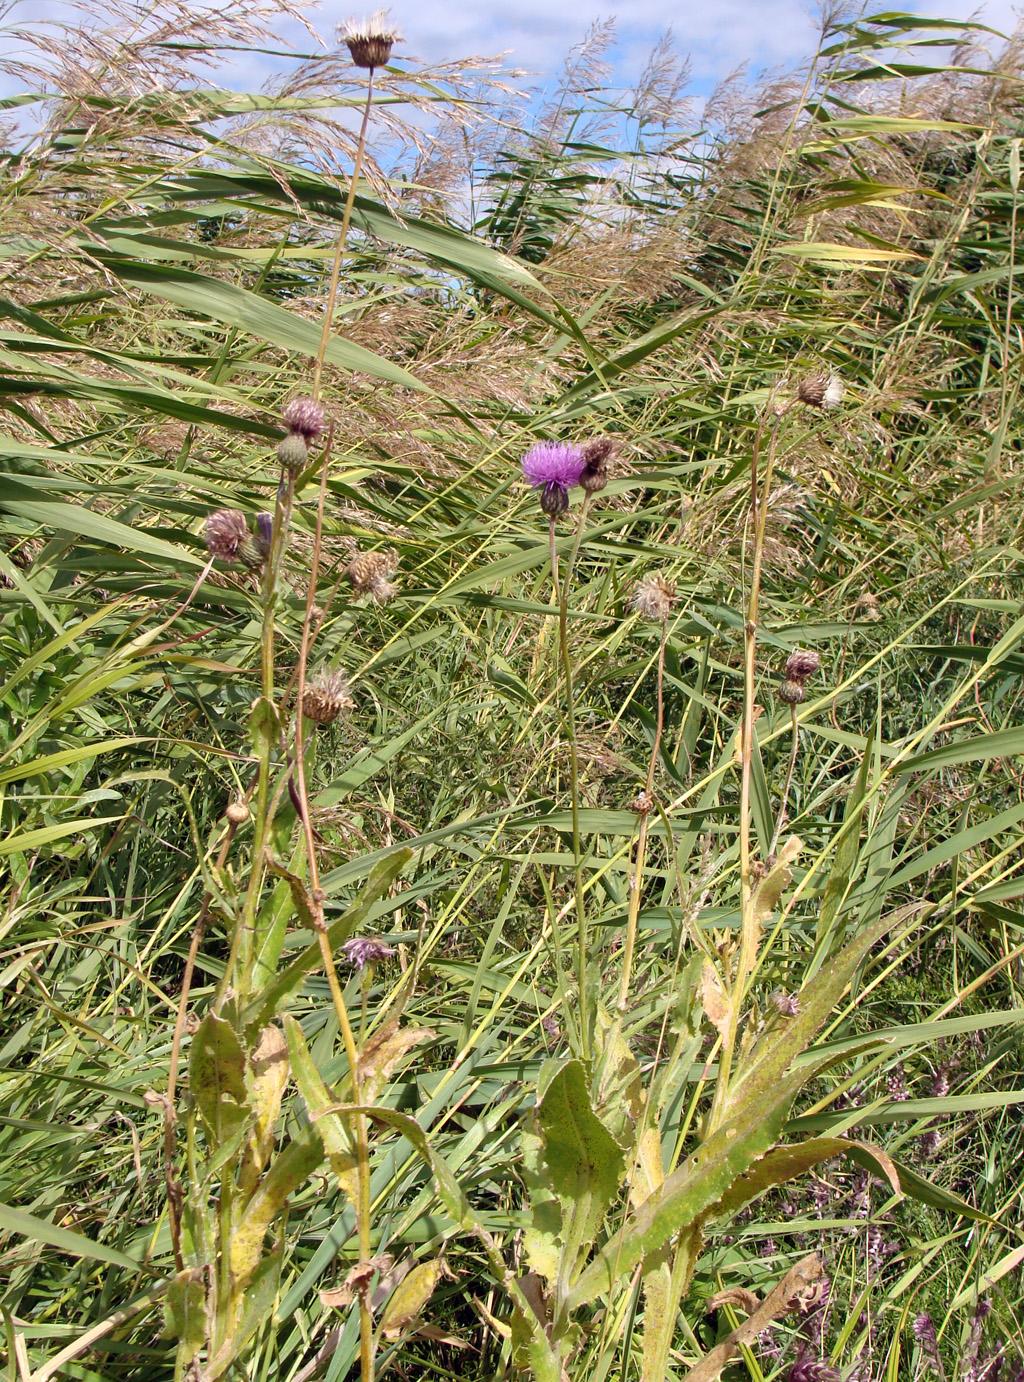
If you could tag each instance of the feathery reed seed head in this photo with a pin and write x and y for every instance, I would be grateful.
(654, 598)
(369, 41)
(305, 416)
(326, 697)
(224, 532)
(292, 451)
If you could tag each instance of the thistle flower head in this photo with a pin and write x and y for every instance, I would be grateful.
(326, 696)
(225, 531)
(786, 1004)
(369, 41)
(370, 574)
(802, 664)
(824, 390)
(304, 416)
(654, 597)
(364, 950)
(553, 467)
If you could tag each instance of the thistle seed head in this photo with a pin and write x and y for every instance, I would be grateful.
(823, 390)
(305, 416)
(292, 451)
(369, 41)
(224, 532)
(802, 664)
(326, 697)
(654, 598)
(370, 574)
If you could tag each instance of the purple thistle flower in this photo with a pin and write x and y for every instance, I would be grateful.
(364, 950)
(786, 1004)
(305, 416)
(554, 467)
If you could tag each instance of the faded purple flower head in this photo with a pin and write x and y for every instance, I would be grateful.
(896, 1084)
(364, 950)
(305, 416)
(807, 1369)
(802, 664)
(785, 1003)
(928, 1144)
(264, 532)
(924, 1329)
(225, 530)
(554, 467)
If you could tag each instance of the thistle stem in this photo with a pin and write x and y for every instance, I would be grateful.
(562, 590)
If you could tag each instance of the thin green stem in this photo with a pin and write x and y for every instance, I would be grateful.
(780, 819)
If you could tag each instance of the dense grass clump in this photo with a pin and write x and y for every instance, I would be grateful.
(467, 916)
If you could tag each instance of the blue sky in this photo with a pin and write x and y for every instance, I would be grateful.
(719, 35)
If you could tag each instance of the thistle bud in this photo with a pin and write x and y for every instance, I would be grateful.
(305, 416)
(293, 452)
(654, 598)
(264, 533)
(326, 697)
(225, 531)
(237, 812)
(369, 41)
(791, 692)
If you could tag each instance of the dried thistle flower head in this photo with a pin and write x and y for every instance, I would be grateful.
(802, 664)
(654, 597)
(369, 41)
(597, 455)
(823, 390)
(225, 532)
(867, 607)
(364, 950)
(553, 467)
(370, 574)
(306, 417)
(326, 697)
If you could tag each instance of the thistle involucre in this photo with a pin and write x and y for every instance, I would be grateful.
(553, 468)
(326, 697)
(654, 597)
(304, 416)
(370, 574)
(369, 41)
(225, 532)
